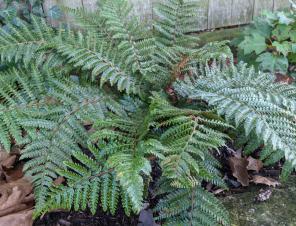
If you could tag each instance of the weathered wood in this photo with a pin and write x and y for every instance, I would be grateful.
(219, 13)
(2, 4)
(242, 11)
(210, 14)
(281, 4)
(202, 14)
(47, 5)
(143, 8)
(261, 5)
(90, 5)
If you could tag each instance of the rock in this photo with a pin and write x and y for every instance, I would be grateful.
(278, 210)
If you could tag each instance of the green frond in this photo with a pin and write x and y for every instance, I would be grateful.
(23, 43)
(248, 98)
(90, 182)
(175, 19)
(128, 170)
(187, 137)
(191, 207)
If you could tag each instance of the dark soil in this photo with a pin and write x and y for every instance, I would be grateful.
(86, 219)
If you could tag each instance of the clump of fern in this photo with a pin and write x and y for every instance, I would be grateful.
(92, 105)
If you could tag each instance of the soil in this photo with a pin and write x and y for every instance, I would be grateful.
(86, 219)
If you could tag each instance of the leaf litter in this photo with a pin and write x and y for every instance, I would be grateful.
(16, 192)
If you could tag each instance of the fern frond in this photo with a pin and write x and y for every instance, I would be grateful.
(248, 98)
(175, 19)
(24, 43)
(90, 181)
(188, 136)
(191, 207)
(89, 53)
(123, 137)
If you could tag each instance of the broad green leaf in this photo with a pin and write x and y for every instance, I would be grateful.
(284, 19)
(254, 43)
(273, 63)
(283, 48)
(281, 32)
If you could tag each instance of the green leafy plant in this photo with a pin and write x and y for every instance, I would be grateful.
(269, 42)
(251, 100)
(99, 106)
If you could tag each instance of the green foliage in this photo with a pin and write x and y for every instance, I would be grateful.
(14, 10)
(87, 103)
(47, 114)
(89, 182)
(246, 98)
(192, 207)
(269, 42)
(186, 138)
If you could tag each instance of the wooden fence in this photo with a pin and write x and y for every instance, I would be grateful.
(211, 13)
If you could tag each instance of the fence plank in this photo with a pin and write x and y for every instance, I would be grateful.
(281, 4)
(47, 5)
(211, 13)
(2, 4)
(143, 8)
(261, 5)
(219, 13)
(242, 11)
(90, 5)
(203, 14)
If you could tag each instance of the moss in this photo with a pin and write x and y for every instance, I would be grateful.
(279, 210)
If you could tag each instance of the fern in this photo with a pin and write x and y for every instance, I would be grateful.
(176, 19)
(191, 207)
(249, 99)
(52, 113)
(88, 183)
(60, 121)
(24, 42)
(187, 137)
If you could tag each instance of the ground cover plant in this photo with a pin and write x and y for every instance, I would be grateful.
(269, 42)
(102, 103)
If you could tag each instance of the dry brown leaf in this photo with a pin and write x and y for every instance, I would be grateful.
(254, 164)
(14, 173)
(59, 181)
(23, 218)
(218, 191)
(281, 78)
(9, 162)
(239, 169)
(3, 155)
(265, 180)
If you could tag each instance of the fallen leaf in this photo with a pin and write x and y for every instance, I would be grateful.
(218, 191)
(254, 164)
(23, 218)
(16, 203)
(280, 78)
(59, 181)
(8, 162)
(14, 173)
(239, 169)
(3, 155)
(265, 180)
